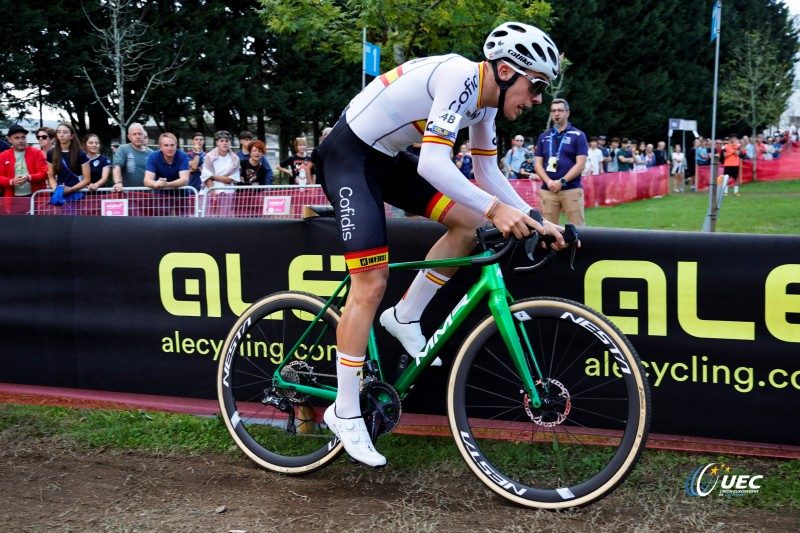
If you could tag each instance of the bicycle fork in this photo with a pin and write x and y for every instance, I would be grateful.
(513, 338)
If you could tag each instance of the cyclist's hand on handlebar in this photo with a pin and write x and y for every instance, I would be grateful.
(555, 231)
(512, 221)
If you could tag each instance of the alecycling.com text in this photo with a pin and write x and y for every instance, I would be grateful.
(700, 369)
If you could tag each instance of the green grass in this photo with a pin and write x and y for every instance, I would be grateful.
(173, 434)
(763, 207)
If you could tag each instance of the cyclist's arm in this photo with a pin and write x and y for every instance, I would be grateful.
(484, 162)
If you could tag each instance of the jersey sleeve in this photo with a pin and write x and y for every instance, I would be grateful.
(441, 129)
(484, 160)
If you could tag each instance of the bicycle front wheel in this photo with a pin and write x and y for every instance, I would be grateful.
(591, 428)
(280, 428)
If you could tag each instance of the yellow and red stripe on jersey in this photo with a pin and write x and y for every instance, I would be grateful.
(437, 140)
(420, 125)
(481, 151)
(438, 207)
(367, 260)
(391, 76)
(344, 361)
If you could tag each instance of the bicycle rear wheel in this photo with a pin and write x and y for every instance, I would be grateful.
(280, 429)
(592, 426)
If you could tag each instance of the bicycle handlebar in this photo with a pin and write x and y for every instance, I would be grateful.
(485, 236)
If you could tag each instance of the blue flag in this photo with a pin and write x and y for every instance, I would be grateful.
(716, 17)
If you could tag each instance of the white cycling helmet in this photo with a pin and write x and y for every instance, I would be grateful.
(526, 46)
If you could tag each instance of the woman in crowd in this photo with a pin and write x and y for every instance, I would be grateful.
(221, 169)
(99, 165)
(68, 167)
(253, 171)
(46, 138)
(678, 168)
(639, 157)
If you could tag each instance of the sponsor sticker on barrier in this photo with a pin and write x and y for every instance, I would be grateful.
(114, 208)
(277, 205)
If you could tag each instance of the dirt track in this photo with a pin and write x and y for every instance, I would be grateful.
(53, 486)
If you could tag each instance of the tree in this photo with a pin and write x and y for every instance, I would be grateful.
(125, 56)
(757, 85)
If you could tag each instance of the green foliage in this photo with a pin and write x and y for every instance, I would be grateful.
(757, 84)
(404, 29)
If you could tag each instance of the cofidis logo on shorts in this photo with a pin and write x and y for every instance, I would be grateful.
(703, 480)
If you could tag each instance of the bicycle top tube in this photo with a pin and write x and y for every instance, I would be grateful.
(487, 257)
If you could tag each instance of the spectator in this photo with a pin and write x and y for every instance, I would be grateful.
(760, 149)
(678, 168)
(660, 154)
(613, 152)
(99, 165)
(731, 159)
(463, 161)
(221, 170)
(594, 159)
(4, 145)
(23, 171)
(46, 138)
(625, 155)
(246, 139)
(196, 157)
(167, 167)
(325, 133)
(601, 143)
(253, 171)
(68, 167)
(130, 160)
(528, 169)
(298, 165)
(515, 157)
(691, 164)
(777, 146)
(639, 160)
(649, 156)
(559, 160)
(748, 149)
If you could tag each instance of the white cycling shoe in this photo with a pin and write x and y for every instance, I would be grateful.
(408, 333)
(354, 436)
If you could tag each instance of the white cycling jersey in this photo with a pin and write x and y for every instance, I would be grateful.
(428, 100)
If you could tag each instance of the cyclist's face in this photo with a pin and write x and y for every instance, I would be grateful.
(519, 97)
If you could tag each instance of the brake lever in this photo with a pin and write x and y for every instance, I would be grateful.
(571, 237)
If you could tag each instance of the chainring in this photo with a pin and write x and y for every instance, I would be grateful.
(380, 406)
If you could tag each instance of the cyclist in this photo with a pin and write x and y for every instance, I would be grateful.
(363, 163)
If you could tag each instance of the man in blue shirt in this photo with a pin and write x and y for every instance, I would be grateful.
(167, 167)
(559, 160)
(515, 157)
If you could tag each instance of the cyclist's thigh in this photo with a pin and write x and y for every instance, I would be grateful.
(403, 187)
(351, 171)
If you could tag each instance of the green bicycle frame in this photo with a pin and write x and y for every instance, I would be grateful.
(490, 285)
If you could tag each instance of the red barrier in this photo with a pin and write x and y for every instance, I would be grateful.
(785, 167)
(607, 189)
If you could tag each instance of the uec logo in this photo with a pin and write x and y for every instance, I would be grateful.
(703, 480)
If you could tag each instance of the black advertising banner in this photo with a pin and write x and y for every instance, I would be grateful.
(143, 305)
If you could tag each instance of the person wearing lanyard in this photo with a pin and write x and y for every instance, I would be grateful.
(558, 161)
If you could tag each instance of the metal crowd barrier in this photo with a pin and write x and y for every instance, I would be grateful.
(132, 201)
(259, 201)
